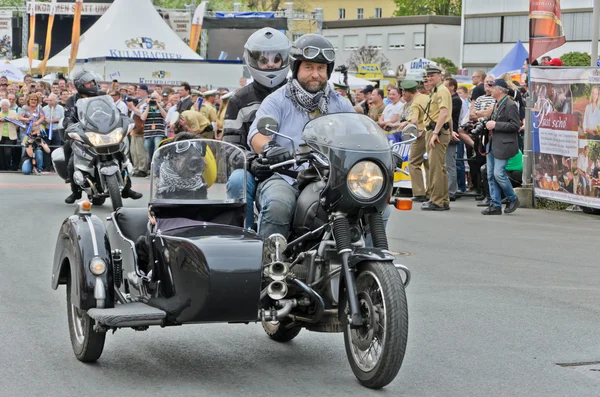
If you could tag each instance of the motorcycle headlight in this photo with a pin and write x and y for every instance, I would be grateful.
(113, 138)
(365, 180)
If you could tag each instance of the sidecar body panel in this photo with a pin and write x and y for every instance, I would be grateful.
(209, 274)
(82, 238)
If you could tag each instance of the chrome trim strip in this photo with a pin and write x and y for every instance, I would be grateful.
(93, 233)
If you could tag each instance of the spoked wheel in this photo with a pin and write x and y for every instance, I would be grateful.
(376, 350)
(278, 332)
(112, 182)
(87, 344)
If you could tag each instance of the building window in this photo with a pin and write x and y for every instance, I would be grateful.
(482, 30)
(342, 13)
(350, 43)
(516, 28)
(396, 41)
(334, 41)
(360, 13)
(578, 26)
(419, 40)
(297, 35)
(378, 13)
(375, 41)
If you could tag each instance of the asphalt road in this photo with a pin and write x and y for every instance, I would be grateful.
(495, 304)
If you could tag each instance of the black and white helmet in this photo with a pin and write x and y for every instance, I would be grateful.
(267, 54)
(312, 48)
(83, 77)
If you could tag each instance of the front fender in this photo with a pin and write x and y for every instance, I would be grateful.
(80, 239)
(369, 254)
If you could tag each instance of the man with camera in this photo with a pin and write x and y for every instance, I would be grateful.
(438, 122)
(503, 144)
(33, 158)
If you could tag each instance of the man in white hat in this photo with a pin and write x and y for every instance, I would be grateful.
(208, 109)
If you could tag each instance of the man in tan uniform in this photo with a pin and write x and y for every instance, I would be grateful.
(208, 109)
(438, 123)
(416, 157)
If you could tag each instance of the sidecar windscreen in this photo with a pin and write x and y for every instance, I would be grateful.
(347, 131)
(196, 171)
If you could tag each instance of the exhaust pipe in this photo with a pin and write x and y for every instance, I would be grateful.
(278, 271)
(276, 315)
(277, 290)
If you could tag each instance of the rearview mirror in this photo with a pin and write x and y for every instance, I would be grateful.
(267, 125)
(409, 132)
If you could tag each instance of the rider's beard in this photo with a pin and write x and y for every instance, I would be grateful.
(312, 85)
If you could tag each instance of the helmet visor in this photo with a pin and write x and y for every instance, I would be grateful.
(310, 52)
(269, 60)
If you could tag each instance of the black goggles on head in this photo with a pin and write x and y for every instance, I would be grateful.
(310, 52)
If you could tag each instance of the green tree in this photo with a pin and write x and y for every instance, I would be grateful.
(447, 64)
(428, 7)
(217, 5)
(576, 59)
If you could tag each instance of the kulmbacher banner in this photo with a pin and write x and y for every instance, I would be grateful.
(566, 134)
(546, 30)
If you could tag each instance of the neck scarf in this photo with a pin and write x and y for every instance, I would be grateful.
(306, 101)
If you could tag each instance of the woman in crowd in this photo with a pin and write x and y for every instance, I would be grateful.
(31, 113)
(591, 117)
(8, 133)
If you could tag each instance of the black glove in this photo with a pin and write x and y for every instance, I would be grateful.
(275, 153)
(259, 167)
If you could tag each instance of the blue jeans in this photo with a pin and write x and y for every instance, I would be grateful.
(27, 167)
(151, 144)
(460, 167)
(496, 173)
(234, 187)
(277, 201)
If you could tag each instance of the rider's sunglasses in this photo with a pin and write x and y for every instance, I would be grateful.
(310, 52)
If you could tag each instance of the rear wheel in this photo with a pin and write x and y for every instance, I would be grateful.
(112, 182)
(590, 210)
(376, 350)
(87, 344)
(278, 332)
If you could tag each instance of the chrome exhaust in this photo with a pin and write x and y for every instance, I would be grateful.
(277, 290)
(278, 271)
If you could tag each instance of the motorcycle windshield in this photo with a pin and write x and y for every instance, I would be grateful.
(196, 171)
(346, 131)
(98, 114)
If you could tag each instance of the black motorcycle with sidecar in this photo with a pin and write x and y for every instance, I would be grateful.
(187, 258)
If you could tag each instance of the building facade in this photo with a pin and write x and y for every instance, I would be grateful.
(401, 39)
(492, 27)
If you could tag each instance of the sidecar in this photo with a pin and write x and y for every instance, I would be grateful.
(193, 263)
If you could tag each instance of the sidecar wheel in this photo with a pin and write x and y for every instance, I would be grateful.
(279, 333)
(87, 344)
(376, 350)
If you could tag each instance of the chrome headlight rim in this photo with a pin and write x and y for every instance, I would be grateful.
(381, 175)
(100, 140)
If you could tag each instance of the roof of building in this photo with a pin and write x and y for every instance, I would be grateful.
(394, 21)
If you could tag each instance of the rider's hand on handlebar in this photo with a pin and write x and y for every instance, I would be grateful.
(260, 168)
(274, 153)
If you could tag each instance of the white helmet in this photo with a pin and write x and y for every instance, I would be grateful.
(267, 54)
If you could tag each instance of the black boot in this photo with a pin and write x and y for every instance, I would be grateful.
(75, 195)
(132, 194)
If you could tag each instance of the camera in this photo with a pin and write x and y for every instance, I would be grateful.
(477, 128)
(131, 99)
(152, 102)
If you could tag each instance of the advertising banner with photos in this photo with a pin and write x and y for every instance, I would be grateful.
(566, 134)
(6, 35)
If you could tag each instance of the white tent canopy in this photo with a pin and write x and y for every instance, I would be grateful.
(23, 63)
(129, 29)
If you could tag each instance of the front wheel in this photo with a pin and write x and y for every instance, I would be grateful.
(590, 210)
(98, 200)
(87, 344)
(112, 183)
(376, 350)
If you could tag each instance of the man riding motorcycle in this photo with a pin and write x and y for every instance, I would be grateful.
(306, 96)
(267, 56)
(87, 87)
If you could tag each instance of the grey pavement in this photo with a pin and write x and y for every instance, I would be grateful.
(495, 303)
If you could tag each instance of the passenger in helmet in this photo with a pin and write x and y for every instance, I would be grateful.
(267, 56)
